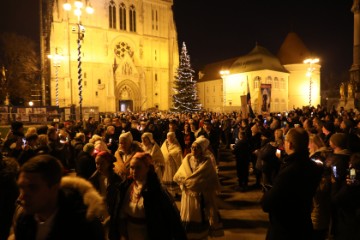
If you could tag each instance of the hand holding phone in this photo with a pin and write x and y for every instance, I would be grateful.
(278, 153)
(334, 171)
(352, 174)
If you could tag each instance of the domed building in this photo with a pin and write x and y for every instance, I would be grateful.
(275, 83)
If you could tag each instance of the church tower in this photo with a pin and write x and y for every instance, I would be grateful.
(129, 55)
(355, 68)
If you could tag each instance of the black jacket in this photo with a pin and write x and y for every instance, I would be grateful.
(289, 201)
(162, 216)
(71, 220)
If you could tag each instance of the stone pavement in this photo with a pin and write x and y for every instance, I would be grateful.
(241, 213)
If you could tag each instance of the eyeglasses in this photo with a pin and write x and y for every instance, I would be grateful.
(195, 147)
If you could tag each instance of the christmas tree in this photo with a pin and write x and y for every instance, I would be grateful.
(185, 98)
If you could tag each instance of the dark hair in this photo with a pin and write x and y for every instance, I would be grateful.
(49, 167)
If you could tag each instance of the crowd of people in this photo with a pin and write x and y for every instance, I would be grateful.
(118, 178)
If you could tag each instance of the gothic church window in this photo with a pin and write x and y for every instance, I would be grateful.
(122, 16)
(121, 48)
(132, 13)
(112, 15)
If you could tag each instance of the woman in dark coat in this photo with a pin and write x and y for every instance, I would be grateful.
(242, 154)
(144, 210)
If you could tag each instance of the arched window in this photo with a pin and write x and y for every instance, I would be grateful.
(276, 105)
(112, 15)
(268, 80)
(257, 82)
(122, 16)
(276, 83)
(282, 83)
(132, 14)
(283, 105)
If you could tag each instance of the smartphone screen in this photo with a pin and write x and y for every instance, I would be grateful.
(278, 151)
(334, 171)
(24, 141)
(353, 174)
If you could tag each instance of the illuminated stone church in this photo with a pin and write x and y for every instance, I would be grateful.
(128, 54)
(275, 83)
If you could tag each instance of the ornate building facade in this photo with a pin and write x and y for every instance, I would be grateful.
(128, 55)
(275, 83)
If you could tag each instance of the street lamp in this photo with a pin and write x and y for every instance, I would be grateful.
(310, 70)
(56, 61)
(78, 9)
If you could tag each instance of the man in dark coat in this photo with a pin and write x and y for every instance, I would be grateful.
(289, 201)
(53, 207)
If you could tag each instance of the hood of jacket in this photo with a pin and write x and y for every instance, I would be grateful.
(77, 186)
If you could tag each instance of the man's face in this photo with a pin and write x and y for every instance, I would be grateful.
(35, 194)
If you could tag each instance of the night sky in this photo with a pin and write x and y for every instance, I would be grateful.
(217, 30)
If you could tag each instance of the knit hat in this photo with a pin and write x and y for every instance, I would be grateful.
(339, 140)
(148, 135)
(127, 135)
(203, 142)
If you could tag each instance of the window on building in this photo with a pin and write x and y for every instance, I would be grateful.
(257, 82)
(282, 83)
(276, 105)
(152, 19)
(155, 77)
(96, 93)
(112, 15)
(276, 83)
(122, 16)
(156, 20)
(283, 105)
(99, 81)
(268, 80)
(132, 14)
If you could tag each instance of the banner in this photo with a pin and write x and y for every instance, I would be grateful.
(265, 91)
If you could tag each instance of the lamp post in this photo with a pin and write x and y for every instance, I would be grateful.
(56, 61)
(310, 70)
(78, 9)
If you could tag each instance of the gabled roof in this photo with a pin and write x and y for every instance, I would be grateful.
(293, 50)
(258, 59)
(212, 71)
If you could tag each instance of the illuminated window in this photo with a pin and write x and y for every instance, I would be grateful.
(256, 82)
(122, 16)
(132, 14)
(112, 15)
(276, 105)
(276, 82)
(268, 80)
(282, 83)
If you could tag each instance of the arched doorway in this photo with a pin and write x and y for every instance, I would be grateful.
(128, 96)
(125, 105)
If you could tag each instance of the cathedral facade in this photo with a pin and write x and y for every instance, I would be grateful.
(126, 58)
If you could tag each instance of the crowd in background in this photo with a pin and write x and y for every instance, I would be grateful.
(135, 161)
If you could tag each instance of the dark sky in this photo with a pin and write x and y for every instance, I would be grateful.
(217, 30)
